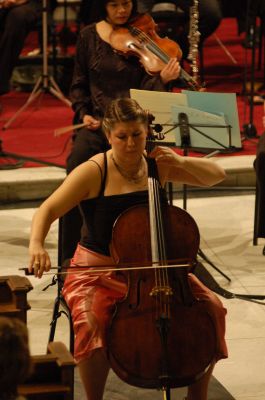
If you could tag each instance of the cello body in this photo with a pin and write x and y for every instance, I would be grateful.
(158, 338)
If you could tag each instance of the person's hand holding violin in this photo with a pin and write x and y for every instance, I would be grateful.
(91, 122)
(171, 71)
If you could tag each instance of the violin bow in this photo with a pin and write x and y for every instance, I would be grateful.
(65, 129)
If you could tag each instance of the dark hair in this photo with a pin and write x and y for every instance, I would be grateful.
(98, 10)
(15, 360)
(123, 110)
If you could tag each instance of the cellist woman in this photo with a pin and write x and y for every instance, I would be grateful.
(101, 75)
(104, 186)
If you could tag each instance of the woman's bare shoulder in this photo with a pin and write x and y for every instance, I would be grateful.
(98, 158)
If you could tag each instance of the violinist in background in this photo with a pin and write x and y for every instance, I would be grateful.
(100, 75)
(105, 186)
(210, 16)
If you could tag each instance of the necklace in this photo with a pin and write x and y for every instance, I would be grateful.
(135, 176)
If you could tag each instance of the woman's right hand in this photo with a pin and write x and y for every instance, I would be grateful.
(39, 260)
(91, 122)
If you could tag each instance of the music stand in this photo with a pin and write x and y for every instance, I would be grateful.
(46, 82)
(184, 141)
(184, 127)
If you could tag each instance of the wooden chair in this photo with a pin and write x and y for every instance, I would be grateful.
(53, 375)
(13, 296)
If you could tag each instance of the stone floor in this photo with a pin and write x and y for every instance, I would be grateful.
(225, 220)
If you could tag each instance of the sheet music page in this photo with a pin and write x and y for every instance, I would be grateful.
(159, 104)
(201, 136)
(217, 103)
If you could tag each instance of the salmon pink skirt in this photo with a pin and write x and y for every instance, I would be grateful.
(91, 299)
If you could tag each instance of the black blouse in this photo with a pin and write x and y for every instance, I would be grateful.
(101, 75)
(100, 213)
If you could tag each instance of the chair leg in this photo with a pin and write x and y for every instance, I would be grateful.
(55, 316)
(72, 335)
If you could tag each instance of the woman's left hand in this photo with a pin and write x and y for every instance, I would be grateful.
(165, 155)
(171, 71)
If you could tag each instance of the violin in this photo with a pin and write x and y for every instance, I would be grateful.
(139, 38)
(160, 336)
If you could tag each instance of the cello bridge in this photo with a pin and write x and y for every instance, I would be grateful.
(161, 290)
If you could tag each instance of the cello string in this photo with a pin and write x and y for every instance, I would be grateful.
(153, 226)
(160, 239)
(155, 48)
(162, 287)
(161, 276)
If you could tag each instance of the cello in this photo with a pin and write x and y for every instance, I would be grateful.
(160, 336)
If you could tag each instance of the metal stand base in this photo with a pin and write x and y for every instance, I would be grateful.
(249, 130)
(22, 158)
(45, 84)
(205, 258)
(206, 278)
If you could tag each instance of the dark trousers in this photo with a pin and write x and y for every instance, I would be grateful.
(15, 24)
(85, 145)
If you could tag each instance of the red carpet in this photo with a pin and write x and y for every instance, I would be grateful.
(32, 133)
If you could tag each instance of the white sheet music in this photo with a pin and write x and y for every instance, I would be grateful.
(212, 138)
(201, 108)
(159, 104)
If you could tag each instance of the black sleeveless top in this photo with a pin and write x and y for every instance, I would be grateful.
(100, 213)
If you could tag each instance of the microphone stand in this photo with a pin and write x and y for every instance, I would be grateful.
(45, 83)
(249, 129)
(185, 144)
